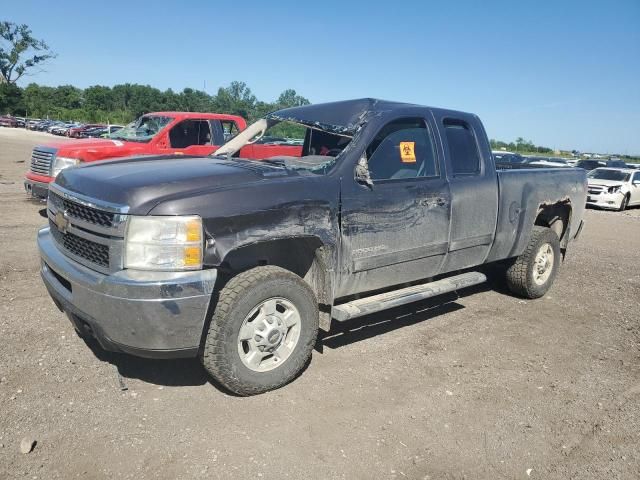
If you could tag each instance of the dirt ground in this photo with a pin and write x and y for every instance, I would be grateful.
(484, 385)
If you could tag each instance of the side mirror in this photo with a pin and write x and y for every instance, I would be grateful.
(362, 172)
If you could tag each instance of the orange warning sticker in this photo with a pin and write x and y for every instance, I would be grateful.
(408, 152)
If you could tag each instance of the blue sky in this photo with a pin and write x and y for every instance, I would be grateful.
(565, 74)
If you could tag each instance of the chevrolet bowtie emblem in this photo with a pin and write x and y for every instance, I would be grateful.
(62, 222)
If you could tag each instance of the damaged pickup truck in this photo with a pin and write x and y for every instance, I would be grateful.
(240, 262)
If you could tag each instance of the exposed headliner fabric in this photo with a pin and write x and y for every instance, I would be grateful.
(342, 118)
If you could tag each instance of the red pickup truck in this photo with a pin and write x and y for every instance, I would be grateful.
(187, 133)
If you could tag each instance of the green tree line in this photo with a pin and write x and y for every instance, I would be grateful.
(124, 103)
(520, 145)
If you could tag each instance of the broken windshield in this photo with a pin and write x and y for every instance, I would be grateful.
(300, 146)
(143, 129)
(606, 174)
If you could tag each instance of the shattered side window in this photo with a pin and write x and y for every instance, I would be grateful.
(287, 144)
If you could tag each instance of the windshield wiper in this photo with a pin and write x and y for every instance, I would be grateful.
(272, 161)
(269, 161)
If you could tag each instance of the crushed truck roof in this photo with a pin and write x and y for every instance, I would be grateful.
(342, 118)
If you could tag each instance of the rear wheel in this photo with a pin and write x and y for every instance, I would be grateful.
(531, 274)
(262, 331)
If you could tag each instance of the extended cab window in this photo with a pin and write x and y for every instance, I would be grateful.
(402, 149)
(463, 149)
(229, 128)
(190, 132)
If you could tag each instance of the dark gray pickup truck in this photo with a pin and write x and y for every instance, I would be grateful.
(240, 262)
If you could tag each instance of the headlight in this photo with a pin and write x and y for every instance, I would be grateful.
(60, 163)
(164, 243)
(614, 189)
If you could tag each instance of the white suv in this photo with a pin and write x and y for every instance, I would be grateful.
(615, 188)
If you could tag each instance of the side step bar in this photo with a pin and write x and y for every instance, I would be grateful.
(395, 298)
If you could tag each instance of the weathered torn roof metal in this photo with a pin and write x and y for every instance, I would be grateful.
(342, 118)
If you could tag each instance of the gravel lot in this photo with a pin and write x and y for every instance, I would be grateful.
(480, 386)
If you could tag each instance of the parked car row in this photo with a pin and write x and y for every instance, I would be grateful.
(506, 158)
(611, 163)
(60, 128)
(612, 184)
(11, 122)
(74, 129)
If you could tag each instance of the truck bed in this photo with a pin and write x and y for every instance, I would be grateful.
(523, 189)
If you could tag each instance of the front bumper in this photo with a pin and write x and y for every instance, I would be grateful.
(147, 314)
(36, 189)
(605, 200)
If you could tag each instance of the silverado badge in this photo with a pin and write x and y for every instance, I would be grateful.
(62, 222)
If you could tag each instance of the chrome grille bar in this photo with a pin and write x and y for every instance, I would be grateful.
(41, 159)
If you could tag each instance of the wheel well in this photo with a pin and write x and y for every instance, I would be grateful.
(293, 254)
(307, 257)
(557, 217)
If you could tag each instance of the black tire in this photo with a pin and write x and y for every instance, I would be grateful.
(237, 299)
(520, 274)
(624, 203)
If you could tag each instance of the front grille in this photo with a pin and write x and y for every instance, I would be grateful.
(596, 189)
(41, 162)
(93, 252)
(82, 212)
(92, 232)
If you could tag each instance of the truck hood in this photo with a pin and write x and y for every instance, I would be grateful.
(141, 183)
(97, 148)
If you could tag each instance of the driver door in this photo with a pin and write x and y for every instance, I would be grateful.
(396, 230)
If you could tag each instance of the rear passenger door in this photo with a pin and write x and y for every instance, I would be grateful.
(474, 190)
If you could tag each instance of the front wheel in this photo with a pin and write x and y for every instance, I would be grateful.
(623, 203)
(531, 274)
(262, 331)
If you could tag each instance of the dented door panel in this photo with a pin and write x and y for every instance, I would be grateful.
(394, 232)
